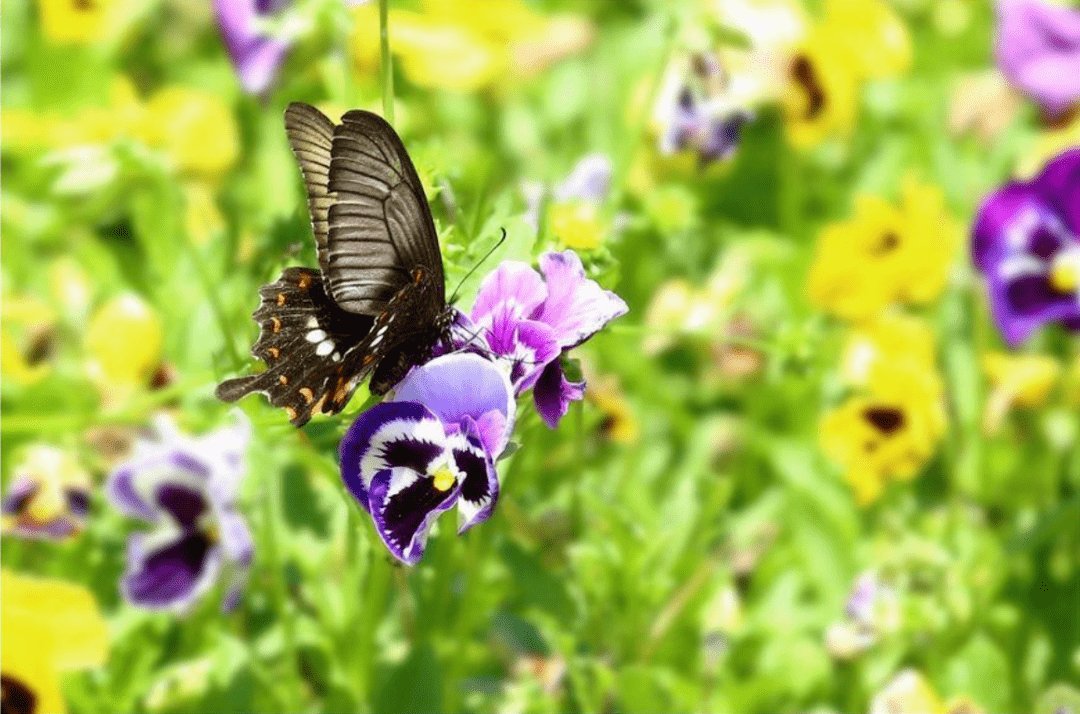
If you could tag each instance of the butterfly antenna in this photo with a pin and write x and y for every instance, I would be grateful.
(502, 239)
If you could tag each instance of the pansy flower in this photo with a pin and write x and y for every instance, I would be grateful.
(185, 488)
(431, 448)
(574, 209)
(1038, 49)
(49, 497)
(1026, 241)
(529, 319)
(50, 627)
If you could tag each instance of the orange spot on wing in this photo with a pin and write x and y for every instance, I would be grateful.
(274, 352)
(283, 379)
(275, 325)
(307, 394)
(290, 412)
(280, 299)
(304, 282)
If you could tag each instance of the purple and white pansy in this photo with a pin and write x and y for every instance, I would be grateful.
(529, 319)
(433, 446)
(185, 488)
(49, 496)
(1026, 241)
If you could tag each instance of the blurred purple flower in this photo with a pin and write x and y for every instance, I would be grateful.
(431, 448)
(185, 488)
(1026, 240)
(528, 321)
(589, 181)
(49, 497)
(1038, 49)
(256, 54)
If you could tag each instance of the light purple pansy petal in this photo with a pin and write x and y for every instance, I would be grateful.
(589, 180)
(525, 345)
(403, 505)
(512, 283)
(576, 307)
(480, 486)
(461, 385)
(389, 435)
(1038, 49)
(255, 56)
(553, 394)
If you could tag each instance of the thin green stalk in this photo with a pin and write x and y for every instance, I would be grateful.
(387, 64)
(271, 534)
(212, 297)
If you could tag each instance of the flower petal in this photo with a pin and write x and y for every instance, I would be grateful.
(186, 505)
(589, 180)
(553, 394)
(1059, 185)
(457, 386)
(169, 569)
(576, 307)
(390, 435)
(524, 345)
(513, 283)
(404, 504)
(480, 486)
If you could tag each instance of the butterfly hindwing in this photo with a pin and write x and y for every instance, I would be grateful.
(380, 226)
(314, 352)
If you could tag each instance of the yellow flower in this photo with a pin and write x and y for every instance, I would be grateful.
(49, 626)
(73, 21)
(884, 254)
(202, 218)
(577, 225)
(467, 45)
(892, 336)
(888, 432)
(48, 497)
(820, 98)
(875, 39)
(195, 128)
(124, 343)
(28, 340)
(619, 423)
(907, 693)
(1023, 380)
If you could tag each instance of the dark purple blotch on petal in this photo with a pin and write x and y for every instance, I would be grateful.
(171, 573)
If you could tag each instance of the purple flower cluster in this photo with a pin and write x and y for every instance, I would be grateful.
(1026, 241)
(435, 443)
(185, 488)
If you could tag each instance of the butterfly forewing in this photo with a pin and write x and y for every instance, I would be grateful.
(311, 136)
(380, 226)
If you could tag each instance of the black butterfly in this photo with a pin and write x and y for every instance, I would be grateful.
(377, 304)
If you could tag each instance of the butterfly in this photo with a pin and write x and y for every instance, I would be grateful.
(376, 306)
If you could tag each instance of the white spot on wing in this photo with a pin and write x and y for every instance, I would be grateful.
(316, 336)
(325, 347)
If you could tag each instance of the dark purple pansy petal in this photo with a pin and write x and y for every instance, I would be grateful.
(18, 497)
(388, 436)
(722, 136)
(480, 485)
(1059, 186)
(1023, 304)
(404, 504)
(185, 505)
(576, 307)
(525, 345)
(997, 220)
(171, 574)
(553, 394)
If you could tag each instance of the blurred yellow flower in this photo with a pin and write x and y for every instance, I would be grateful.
(49, 626)
(196, 129)
(467, 45)
(888, 431)
(893, 337)
(48, 497)
(1020, 380)
(876, 41)
(884, 254)
(202, 218)
(577, 225)
(619, 423)
(124, 344)
(73, 21)
(28, 340)
(820, 98)
(907, 693)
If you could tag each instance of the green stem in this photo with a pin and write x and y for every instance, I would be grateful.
(212, 297)
(387, 64)
(271, 516)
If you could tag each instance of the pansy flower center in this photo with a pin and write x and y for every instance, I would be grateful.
(805, 76)
(17, 697)
(1065, 272)
(887, 420)
(444, 476)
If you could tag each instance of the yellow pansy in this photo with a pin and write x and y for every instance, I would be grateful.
(195, 128)
(888, 431)
(884, 254)
(49, 626)
(619, 423)
(820, 97)
(576, 224)
(466, 45)
(124, 343)
(73, 21)
(1021, 380)
(875, 39)
(893, 337)
(48, 497)
(907, 693)
(28, 339)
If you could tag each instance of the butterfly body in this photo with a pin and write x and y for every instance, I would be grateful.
(377, 304)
